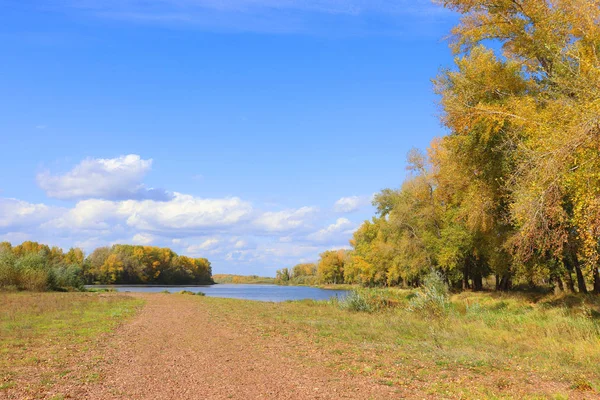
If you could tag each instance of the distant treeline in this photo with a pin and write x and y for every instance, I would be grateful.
(239, 279)
(35, 266)
(301, 274)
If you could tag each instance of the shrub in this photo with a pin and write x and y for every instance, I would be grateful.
(8, 272)
(65, 276)
(368, 300)
(200, 294)
(185, 292)
(433, 298)
(355, 301)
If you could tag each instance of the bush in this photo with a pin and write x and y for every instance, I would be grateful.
(33, 271)
(66, 277)
(355, 301)
(369, 300)
(200, 294)
(433, 298)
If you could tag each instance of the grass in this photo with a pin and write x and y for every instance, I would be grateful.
(46, 338)
(485, 346)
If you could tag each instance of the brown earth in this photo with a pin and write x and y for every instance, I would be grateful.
(176, 349)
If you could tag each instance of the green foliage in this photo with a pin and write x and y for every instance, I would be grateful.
(355, 301)
(37, 267)
(512, 192)
(370, 300)
(126, 264)
(330, 268)
(432, 298)
(301, 274)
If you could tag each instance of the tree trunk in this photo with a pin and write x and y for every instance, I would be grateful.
(560, 284)
(505, 283)
(580, 280)
(596, 274)
(466, 276)
(570, 283)
(477, 282)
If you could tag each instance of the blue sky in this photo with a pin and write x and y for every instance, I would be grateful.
(251, 132)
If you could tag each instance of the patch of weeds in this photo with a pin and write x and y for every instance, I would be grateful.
(7, 385)
(200, 294)
(433, 298)
(185, 292)
(582, 384)
(367, 300)
(502, 383)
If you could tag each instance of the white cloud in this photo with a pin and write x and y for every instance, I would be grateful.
(182, 214)
(103, 178)
(15, 237)
(143, 238)
(350, 204)
(279, 221)
(241, 244)
(16, 214)
(342, 227)
(208, 244)
(185, 213)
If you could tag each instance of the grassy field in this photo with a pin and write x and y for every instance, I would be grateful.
(487, 346)
(46, 338)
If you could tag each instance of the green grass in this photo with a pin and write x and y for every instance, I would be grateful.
(48, 337)
(486, 346)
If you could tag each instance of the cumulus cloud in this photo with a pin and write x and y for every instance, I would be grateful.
(103, 178)
(184, 214)
(208, 244)
(350, 204)
(16, 214)
(143, 238)
(241, 244)
(280, 221)
(341, 228)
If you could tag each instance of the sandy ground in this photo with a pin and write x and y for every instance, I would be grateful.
(176, 349)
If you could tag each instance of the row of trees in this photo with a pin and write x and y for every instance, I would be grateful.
(144, 264)
(301, 274)
(35, 266)
(513, 191)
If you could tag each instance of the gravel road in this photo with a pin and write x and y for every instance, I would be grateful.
(175, 348)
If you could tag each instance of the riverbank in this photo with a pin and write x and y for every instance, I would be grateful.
(175, 346)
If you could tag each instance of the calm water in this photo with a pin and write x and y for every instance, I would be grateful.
(247, 292)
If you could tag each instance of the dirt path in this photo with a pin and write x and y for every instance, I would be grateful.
(177, 349)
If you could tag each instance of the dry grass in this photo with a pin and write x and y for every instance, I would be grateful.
(488, 346)
(46, 338)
